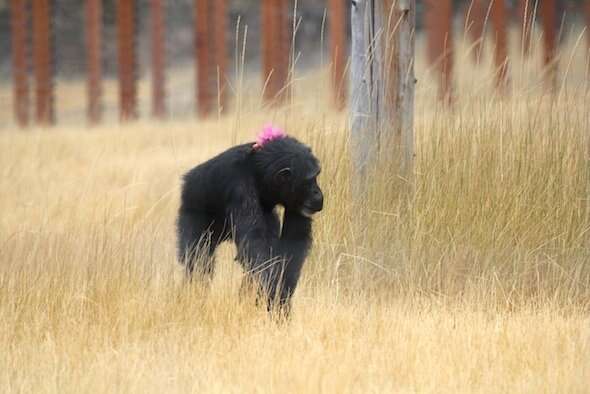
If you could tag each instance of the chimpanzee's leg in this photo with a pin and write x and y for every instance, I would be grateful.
(197, 242)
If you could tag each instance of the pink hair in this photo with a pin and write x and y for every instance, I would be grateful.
(268, 133)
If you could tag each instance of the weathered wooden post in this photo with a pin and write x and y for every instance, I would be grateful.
(337, 26)
(158, 41)
(93, 59)
(43, 61)
(400, 89)
(365, 88)
(382, 84)
(126, 59)
(438, 22)
(18, 19)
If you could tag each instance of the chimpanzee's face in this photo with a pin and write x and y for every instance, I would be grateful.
(300, 191)
(313, 198)
(289, 172)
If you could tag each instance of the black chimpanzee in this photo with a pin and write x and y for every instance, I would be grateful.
(233, 196)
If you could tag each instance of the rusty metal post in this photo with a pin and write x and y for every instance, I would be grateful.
(275, 49)
(43, 62)
(498, 16)
(20, 85)
(548, 11)
(127, 60)
(202, 53)
(524, 13)
(475, 16)
(272, 45)
(220, 52)
(158, 41)
(277, 44)
(337, 15)
(283, 53)
(93, 59)
(438, 20)
(267, 47)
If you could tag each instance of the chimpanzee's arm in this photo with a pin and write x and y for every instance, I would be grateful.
(254, 239)
(294, 244)
(275, 261)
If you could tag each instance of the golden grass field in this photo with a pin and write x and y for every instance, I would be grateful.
(477, 282)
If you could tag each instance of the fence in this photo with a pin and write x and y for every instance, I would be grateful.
(32, 24)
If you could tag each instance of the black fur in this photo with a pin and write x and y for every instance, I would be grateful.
(233, 196)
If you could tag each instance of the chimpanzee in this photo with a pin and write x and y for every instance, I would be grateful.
(234, 195)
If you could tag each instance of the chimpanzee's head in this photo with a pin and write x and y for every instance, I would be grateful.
(287, 172)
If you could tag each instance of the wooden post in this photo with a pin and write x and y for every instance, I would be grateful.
(525, 13)
(220, 52)
(43, 62)
(475, 16)
(438, 20)
(93, 59)
(364, 91)
(338, 50)
(18, 19)
(202, 52)
(127, 59)
(498, 16)
(587, 9)
(548, 11)
(382, 83)
(158, 27)
(399, 101)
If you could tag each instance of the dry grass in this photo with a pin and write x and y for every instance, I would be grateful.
(479, 282)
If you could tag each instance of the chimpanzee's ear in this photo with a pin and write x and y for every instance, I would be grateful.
(283, 175)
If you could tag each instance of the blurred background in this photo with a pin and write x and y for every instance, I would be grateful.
(164, 38)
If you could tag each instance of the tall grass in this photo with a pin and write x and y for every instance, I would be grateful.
(500, 207)
(477, 280)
